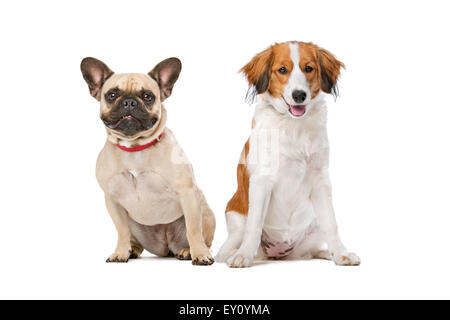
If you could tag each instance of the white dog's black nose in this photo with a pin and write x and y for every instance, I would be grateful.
(129, 104)
(299, 96)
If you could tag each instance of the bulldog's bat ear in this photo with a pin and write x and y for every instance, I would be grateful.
(95, 73)
(166, 74)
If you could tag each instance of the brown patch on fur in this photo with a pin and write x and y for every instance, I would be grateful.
(326, 68)
(281, 58)
(239, 202)
(257, 70)
(309, 58)
(260, 70)
(330, 69)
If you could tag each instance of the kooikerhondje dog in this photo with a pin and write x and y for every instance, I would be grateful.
(149, 186)
(282, 207)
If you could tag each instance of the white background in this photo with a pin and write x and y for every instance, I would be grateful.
(389, 133)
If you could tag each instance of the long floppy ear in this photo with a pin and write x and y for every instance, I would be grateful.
(166, 74)
(257, 72)
(330, 69)
(95, 73)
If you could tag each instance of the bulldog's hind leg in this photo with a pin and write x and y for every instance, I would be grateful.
(177, 240)
(184, 254)
(236, 226)
(151, 238)
(136, 249)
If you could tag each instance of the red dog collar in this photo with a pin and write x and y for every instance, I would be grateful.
(139, 148)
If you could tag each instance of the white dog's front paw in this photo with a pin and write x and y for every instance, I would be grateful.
(347, 259)
(240, 260)
(224, 255)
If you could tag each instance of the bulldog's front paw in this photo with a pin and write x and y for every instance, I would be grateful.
(120, 256)
(203, 260)
(240, 260)
(201, 256)
(347, 259)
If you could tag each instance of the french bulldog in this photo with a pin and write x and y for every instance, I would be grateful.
(149, 186)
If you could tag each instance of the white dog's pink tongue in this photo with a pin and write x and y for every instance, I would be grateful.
(298, 110)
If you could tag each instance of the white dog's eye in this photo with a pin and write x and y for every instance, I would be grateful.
(282, 70)
(309, 69)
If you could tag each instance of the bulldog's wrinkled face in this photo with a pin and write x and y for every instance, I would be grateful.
(130, 104)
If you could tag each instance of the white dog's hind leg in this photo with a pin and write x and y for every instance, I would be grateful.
(236, 226)
(313, 246)
(323, 207)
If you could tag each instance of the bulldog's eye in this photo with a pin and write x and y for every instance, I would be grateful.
(148, 96)
(309, 69)
(111, 95)
(282, 70)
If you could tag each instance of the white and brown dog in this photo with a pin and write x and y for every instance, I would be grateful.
(149, 185)
(282, 207)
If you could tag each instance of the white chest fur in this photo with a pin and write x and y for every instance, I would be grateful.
(301, 147)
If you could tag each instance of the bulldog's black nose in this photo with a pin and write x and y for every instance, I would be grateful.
(129, 103)
(299, 96)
